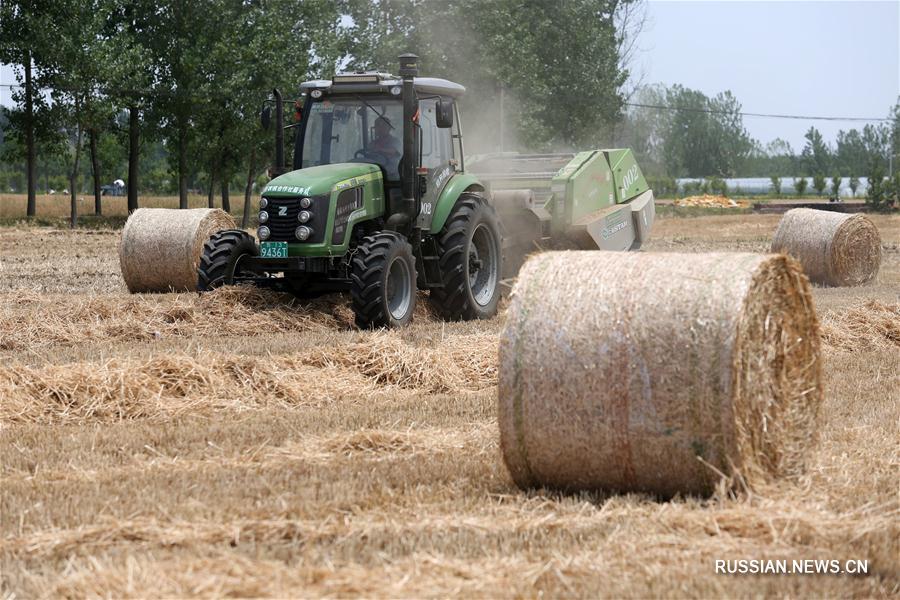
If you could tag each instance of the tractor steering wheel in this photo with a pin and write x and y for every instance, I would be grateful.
(374, 155)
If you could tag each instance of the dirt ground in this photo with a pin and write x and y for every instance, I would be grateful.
(243, 444)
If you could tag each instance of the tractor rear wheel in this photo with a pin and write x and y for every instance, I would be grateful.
(221, 258)
(383, 274)
(470, 260)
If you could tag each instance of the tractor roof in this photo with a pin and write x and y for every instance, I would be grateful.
(381, 82)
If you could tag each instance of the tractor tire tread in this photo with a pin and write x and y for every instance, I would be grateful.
(452, 299)
(367, 268)
(218, 251)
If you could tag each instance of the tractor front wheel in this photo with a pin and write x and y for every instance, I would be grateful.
(221, 258)
(383, 274)
(470, 261)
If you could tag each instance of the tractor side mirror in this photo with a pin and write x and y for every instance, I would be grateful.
(444, 116)
(265, 117)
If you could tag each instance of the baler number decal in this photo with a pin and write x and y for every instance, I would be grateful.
(630, 177)
(426, 208)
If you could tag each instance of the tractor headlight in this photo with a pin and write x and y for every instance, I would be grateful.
(304, 216)
(263, 216)
(316, 94)
(303, 232)
(263, 233)
(305, 202)
(395, 91)
(263, 203)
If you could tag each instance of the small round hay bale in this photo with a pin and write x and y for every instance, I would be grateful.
(834, 249)
(160, 247)
(658, 372)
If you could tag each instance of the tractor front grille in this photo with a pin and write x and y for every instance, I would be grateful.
(283, 219)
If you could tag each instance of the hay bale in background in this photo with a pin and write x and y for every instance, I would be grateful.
(834, 248)
(651, 372)
(160, 247)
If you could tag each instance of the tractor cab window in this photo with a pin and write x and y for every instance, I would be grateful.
(355, 129)
(437, 147)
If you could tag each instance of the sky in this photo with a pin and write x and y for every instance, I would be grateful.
(815, 58)
(820, 58)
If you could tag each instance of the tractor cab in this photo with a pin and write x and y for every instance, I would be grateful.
(359, 118)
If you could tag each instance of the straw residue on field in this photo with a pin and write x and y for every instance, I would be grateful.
(30, 320)
(168, 384)
(867, 325)
(396, 491)
(709, 201)
(460, 363)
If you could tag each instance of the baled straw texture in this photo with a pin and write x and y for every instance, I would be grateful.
(658, 372)
(160, 247)
(834, 248)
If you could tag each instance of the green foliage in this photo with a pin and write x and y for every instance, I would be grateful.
(836, 185)
(819, 183)
(717, 186)
(800, 185)
(816, 155)
(663, 187)
(883, 193)
(776, 185)
(559, 70)
(691, 188)
(706, 139)
(852, 155)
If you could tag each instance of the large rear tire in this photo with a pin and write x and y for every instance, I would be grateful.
(383, 272)
(221, 258)
(470, 259)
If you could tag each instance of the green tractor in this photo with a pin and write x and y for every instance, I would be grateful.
(380, 203)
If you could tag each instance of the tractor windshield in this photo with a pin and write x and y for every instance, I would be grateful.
(355, 129)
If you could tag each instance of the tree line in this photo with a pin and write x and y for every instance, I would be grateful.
(105, 85)
(165, 94)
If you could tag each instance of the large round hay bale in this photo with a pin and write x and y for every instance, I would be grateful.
(657, 372)
(160, 247)
(835, 249)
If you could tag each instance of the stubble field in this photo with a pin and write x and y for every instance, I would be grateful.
(243, 444)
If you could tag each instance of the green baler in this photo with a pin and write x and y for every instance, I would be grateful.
(596, 199)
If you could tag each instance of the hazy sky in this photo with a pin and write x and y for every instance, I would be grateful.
(810, 58)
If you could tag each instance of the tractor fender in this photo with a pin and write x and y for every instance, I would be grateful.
(459, 183)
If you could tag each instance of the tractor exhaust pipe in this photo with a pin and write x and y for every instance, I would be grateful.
(279, 133)
(409, 68)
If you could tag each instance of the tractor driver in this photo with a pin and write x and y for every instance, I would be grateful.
(386, 145)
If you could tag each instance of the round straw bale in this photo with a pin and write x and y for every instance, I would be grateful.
(160, 247)
(658, 372)
(834, 248)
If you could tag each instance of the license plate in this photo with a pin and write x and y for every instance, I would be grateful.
(273, 250)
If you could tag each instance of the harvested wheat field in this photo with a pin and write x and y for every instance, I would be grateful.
(247, 444)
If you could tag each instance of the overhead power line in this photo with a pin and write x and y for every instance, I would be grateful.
(679, 109)
(750, 114)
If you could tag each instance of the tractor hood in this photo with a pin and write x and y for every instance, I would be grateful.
(324, 179)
